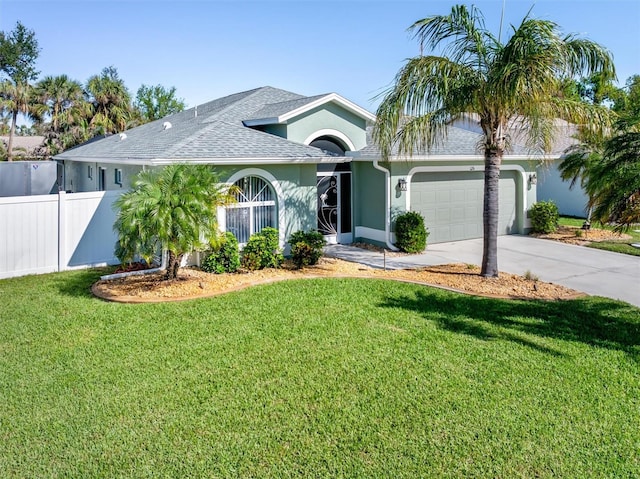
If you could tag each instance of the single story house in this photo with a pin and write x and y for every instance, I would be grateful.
(309, 163)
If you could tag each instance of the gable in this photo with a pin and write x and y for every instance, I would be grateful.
(305, 119)
(329, 120)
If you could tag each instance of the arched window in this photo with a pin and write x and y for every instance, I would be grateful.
(255, 208)
(330, 144)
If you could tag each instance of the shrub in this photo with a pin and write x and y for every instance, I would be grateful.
(306, 248)
(411, 235)
(262, 250)
(225, 257)
(544, 217)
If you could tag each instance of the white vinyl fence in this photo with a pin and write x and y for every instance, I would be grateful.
(43, 234)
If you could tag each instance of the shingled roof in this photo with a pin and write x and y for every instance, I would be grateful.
(213, 133)
(457, 142)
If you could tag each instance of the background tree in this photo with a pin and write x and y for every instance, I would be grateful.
(18, 98)
(172, 209)
(504, 84)
(67, 111)
(627, 102)
(613, 183)
(598, 88)
(60, 95)
(18, 53)
(155, 102)
(606, 165)
(111, 102)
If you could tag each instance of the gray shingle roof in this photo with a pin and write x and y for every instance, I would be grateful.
(564, 135)
(456, 142)
(464, 141)
(212, 132)
(274, 110)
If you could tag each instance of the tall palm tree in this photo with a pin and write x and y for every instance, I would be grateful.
(174, 209)
(62, 98)
(68, 111)
(516, 82)
(17, 98)
(111, 102)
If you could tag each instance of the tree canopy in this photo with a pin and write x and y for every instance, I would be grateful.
(155, 102)
(64, 110)
(18, 54)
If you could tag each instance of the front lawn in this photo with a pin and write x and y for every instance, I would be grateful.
(622, 246)
(315, 378)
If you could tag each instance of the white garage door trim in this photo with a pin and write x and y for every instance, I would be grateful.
(519, 178)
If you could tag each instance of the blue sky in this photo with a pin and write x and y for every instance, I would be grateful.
(207, 49)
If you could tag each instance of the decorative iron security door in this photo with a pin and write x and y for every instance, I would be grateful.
(334, 207)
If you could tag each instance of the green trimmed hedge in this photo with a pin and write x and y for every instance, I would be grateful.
(224, 257)
(411, 234)
(544, 217)
(306, 248)
(262, 250)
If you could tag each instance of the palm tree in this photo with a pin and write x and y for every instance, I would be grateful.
(111, 102)
(18, 98)
(613, 183)
(62, 97)
(174, 209)
(503, 84)
(68, 110)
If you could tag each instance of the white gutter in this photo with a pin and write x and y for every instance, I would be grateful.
(162, 267)
(387, 205)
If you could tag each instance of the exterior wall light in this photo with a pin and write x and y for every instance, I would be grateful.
(402, 184)
(533, 179)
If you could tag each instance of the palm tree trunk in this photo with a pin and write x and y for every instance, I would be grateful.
(12, 132)
(490, 214)
(173, 265)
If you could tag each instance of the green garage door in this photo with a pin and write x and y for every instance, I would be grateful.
(451, 204)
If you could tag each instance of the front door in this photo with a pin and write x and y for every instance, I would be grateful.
(334, 206)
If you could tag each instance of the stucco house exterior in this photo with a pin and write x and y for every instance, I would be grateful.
(309, 163)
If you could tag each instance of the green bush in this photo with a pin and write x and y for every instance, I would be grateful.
(225, 257)
(262, 250)
(411, 235)
(544, 217)
(306, 248)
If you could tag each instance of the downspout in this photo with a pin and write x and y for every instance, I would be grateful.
(142, 272)
(387, 205)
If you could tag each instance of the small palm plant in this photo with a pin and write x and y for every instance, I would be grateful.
(172, 209)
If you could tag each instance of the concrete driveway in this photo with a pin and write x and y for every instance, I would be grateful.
(592, 271)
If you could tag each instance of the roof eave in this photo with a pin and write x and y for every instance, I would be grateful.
(450, 157)
(210, 161)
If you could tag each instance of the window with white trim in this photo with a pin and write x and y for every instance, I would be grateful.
(255, 208)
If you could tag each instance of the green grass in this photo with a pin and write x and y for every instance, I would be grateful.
(622, 246)
(315, 378)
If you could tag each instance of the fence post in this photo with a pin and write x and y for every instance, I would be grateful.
(62, 231)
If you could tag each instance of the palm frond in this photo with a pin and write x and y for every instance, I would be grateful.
(462, 32)
(429, 86)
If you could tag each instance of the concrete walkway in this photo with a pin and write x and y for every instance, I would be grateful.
(591, 271)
